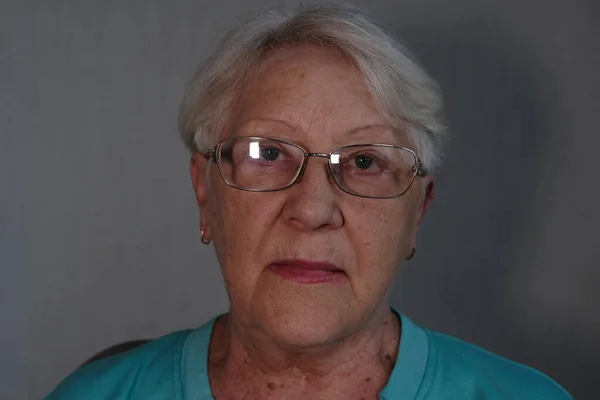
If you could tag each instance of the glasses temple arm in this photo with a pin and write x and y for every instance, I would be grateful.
(421, 170)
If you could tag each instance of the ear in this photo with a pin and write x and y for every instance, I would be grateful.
(426, 199)
(198, 167)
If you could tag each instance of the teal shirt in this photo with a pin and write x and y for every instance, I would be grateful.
(429, 366)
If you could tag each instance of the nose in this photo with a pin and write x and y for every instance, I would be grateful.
(312, 201)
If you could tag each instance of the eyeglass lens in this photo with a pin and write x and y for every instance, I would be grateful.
(262, 164)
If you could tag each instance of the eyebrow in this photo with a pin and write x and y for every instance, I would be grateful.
(367, 127)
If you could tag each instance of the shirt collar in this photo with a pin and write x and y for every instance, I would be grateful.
(404, 382)
(411, 363)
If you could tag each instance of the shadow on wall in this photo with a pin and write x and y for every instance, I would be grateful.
(465, 276)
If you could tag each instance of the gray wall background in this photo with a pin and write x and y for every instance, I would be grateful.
(99, 237)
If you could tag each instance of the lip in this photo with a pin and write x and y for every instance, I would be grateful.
(305, 271)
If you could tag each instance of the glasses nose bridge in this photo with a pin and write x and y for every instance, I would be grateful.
(306, 157)
(322, 155)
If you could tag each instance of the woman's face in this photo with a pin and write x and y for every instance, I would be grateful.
(277, 249)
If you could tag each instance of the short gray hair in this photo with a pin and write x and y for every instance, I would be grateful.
(407, 97)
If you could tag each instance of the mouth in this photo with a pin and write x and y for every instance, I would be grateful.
(304, 271)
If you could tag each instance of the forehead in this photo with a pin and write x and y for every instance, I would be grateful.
(310, 88)
(288, 64)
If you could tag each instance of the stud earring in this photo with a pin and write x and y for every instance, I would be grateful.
(203, 239)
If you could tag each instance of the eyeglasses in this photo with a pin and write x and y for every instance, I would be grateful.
(259, 164)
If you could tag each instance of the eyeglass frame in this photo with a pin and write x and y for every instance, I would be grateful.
(215, 155)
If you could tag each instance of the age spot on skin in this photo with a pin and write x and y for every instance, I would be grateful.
(390, 360)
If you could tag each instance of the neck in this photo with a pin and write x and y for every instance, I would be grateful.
(359, 363)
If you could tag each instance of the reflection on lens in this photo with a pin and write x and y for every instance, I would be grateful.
(254, 150)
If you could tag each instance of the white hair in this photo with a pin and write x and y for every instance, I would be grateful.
(407, 97)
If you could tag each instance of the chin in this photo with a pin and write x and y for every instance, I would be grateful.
(308, 324)
(299, 334)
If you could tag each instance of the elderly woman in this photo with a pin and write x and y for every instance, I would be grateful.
(313, 138)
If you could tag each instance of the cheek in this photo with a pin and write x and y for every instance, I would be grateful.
(382, 227)
(381, 236)
(243, 221)
(233, 212)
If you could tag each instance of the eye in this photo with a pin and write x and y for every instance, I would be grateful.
(269, 153)
(363, 162)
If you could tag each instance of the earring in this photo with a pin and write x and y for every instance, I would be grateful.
(412, 254)
(202, 238)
